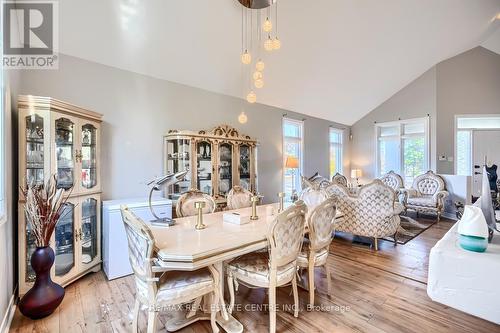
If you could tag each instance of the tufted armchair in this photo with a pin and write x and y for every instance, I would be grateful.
(185, 204)
(371, 211)
(427, 194)
(339, 179)
(395, 181)
(316, 179)
(238, 197)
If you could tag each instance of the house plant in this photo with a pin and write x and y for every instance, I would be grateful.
(43, 207)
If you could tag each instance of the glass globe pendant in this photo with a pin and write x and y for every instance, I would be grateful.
(267, 26)
(259, 66)
(251, 97)
(259, 83)
(242, 118)
(257, 75)
(276, 44)
(268, 44)
(246, 58)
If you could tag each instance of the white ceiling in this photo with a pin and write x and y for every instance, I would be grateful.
(339, 58)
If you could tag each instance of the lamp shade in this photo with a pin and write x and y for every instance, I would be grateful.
(356, 173)
(473, 223)
(292, 162)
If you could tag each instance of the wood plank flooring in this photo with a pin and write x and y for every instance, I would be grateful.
(382, 291)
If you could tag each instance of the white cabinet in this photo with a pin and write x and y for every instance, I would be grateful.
(114, 241)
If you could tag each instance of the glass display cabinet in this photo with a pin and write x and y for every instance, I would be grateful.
(57, 138)
(217, 160)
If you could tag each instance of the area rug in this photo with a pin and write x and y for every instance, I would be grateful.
(409, 229)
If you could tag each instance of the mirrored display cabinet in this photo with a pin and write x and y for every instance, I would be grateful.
(217, 160)
(57, 138)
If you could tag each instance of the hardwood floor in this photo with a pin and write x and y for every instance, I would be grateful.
(382, 291)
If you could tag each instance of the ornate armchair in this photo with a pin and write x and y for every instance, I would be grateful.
(427, 194)
(157, 286)
(316, 248)
(339, 179)
(276, 268)
(315, 179)
(395, 181)
(370, 211)
(238, 197)
(312, 194)
(185, 204)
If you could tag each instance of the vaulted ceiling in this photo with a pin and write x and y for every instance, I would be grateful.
(339, 58)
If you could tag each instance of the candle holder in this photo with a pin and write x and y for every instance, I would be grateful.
(281, 195)
(254, 200)
(199, 205)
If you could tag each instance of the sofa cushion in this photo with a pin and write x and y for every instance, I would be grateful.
(422, 201)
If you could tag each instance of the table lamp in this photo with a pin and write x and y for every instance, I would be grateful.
(356, 174)
(166, 180)
(292, 162)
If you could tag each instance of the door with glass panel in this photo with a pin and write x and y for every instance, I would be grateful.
(225, 173)
(65, 151)
(88, 235)
(87, 157)
(204, 167)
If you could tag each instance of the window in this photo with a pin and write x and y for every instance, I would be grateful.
(403, 146)
(293, 134)
(464, 152)
(336, 151)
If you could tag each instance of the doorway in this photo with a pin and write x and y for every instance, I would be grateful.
(486, 145)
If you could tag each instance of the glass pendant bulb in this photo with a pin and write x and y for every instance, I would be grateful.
(259, 66)
(242, 118)
(259, 83)
(268, 44)
(251, 97)
(257, 75)
(276, 44)
(267, 26)
(246, 58)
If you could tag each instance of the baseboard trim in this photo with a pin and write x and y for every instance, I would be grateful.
(9, 314)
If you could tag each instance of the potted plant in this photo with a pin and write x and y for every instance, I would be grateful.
(43, 207)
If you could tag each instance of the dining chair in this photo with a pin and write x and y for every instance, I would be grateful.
(238, 197)
(185, 204)
(316, 248)
(339, 179)
(277, 267)
(159, 287)
(312, 194)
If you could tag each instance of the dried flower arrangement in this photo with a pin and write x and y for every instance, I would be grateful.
(43, 207)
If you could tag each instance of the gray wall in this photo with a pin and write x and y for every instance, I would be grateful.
(468, 83)
(139, 109)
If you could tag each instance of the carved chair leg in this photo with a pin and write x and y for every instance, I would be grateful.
(272, 307)
(135, 320)
(438, 216)
(152, 319)
(295, 297)
(310, 271)
(375, 243)
(328, 279)
(230, 286)
(395, 238)
(213, 310)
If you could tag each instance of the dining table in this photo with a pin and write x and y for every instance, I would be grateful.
(182, 247)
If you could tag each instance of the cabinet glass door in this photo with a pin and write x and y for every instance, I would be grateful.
(89, 230)
(65, 240)
(34, 149)
(204, 166)
(64, 139)
(225, 168)
(245, 167)
(89, 156)
(178, 154)
(30, 248)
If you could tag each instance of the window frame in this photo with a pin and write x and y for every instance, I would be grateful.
(401, 137)
(300, 140)
(340, 145)
(3, 164)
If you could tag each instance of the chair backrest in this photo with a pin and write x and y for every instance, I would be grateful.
(372, 203)
(315, 181)
(313, 196)
(429, 183)
(286, 235)
(339, 179)
(185, 204)
(140, 244)
(393, 180)
(238, 197)
(321, 224)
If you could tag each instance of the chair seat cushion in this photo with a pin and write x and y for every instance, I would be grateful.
(180, 284)
(253, 268)
(423, 201)
(303, 258)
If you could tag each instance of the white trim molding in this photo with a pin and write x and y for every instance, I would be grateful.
(9, 314)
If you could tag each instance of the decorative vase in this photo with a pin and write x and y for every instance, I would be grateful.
(45, 295)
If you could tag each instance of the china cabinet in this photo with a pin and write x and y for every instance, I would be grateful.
(57, 138)
(217, 160)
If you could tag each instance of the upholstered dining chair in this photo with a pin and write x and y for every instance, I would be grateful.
(316, 248)
(312, 194)
(238, 197)
(427, 194)
(395, 181)
(315, 179)
(157, 286)
(339, 179)
(185, 204)
(276, 268)
(371, 211)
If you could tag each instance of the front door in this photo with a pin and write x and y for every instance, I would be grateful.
(486, 143)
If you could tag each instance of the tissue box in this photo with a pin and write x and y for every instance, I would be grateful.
(235, 218)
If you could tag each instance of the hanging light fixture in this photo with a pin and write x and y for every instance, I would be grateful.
(255, 37)
(242, 118)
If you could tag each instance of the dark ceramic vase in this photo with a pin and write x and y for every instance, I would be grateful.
(45, 295)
